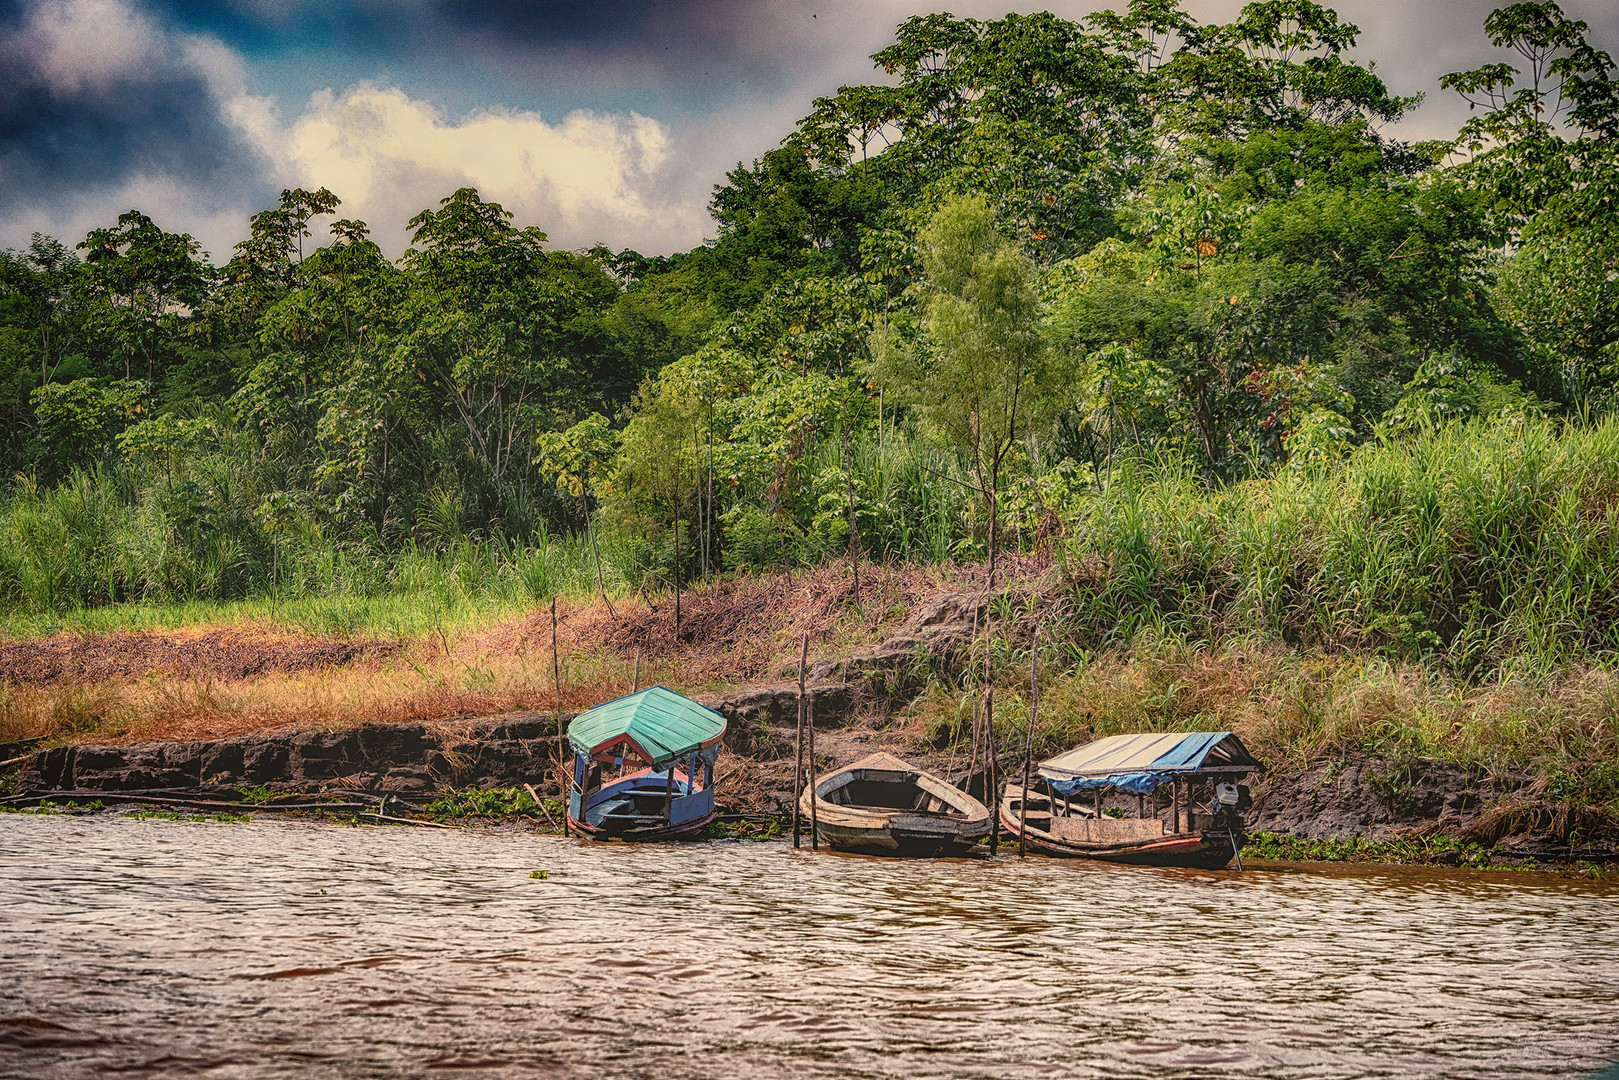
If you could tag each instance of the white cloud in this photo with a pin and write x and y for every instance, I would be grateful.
(85, 46)
(590, 177)
(217, 224)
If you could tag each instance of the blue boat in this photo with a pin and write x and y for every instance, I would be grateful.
(643, 767)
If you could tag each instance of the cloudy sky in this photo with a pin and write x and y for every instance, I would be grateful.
(600, 122)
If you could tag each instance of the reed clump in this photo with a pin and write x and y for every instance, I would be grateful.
(1485, 550)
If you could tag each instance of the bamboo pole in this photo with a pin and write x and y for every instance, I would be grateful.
(563, 772)
(972, 754)
(809, 730)
(798, 754)
(535, 795)
(989, 744)
(1028, 749)
(637, 685)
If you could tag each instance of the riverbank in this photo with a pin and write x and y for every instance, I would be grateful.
(1360, 751)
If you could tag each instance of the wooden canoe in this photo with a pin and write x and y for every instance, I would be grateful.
(1205, 844)
(882, 805)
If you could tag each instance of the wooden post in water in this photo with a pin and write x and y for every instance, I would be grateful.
(1175, 802)
(809, 730)
(562, 742)
(798, 754)
(989, 746)
(1028, 753)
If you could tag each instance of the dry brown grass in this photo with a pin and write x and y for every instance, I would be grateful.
(739, 630)
(732, 632)
(1291, 706)
(1294, 707)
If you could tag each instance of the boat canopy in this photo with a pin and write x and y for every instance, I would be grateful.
(1139, 763)
(658, 724)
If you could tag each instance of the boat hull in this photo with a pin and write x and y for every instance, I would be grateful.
(882, 805)
(897, 840)
(685, 830)
(1205, 850)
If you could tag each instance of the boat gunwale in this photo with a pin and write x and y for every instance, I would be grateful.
(968, 820)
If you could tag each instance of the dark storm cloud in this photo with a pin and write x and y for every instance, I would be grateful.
(653, 42)
(82, 115)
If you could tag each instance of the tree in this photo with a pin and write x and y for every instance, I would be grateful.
(146, 279)
(1044, 120)
(482, 319)
(1281, 64)
(269, 263)
(658, 465)
(1547, 152)
(980, 372)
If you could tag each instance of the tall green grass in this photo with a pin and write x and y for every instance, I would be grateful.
(101, 553)
(1487, 547)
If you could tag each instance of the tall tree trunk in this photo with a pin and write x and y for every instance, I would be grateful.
(994, 500)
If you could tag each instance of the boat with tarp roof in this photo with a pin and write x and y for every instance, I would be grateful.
(1158, 799)
(643, 767)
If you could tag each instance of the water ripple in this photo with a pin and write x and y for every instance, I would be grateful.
(157, 948)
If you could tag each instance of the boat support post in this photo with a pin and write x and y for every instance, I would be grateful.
(1028, 749)
(989, 742)
(562, 739)
(809, 731)
(798, 753)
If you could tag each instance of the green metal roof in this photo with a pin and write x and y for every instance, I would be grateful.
(662, 724)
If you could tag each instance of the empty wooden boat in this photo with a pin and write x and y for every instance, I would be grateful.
(1169, 799)
(643, 767)
(885, 806)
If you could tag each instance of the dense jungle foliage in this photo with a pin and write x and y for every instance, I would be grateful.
(1161, 295)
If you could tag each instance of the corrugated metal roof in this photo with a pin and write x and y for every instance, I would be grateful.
(662, 724)
(1175, 751)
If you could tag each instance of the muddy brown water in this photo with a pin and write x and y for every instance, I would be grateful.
(157, 948)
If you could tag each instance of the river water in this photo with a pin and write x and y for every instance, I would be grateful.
(139, 948)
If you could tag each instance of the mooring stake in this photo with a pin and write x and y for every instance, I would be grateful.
(1028, 749)
(798, 753)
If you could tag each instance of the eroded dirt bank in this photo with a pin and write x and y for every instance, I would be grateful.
(1351, 797)
(865, 676)
(225, 654)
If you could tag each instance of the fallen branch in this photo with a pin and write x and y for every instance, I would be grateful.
(408, 821)
(541, 804)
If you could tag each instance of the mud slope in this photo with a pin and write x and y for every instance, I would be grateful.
(235, 653)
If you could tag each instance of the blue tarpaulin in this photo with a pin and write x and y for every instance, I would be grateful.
(1139, 763)
(1138, 783)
